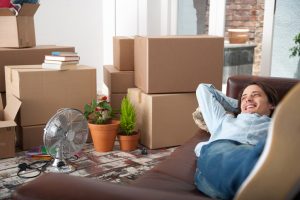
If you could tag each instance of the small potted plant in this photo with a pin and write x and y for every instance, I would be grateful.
(127, 136)
(102, 126)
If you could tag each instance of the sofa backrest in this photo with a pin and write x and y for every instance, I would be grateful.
(236, 83)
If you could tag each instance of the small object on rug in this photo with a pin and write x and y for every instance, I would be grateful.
(144, 151)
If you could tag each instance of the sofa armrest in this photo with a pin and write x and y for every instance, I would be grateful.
(236, 83)
(63, 187)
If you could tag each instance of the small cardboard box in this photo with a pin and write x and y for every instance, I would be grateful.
(30, 136)
(123, 53)
(117, 81)
(7, 128)
(18, 31)
(44, 91)
(164, 119)
(25, 56)
(168, 64)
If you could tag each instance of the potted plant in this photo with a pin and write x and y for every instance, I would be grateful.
(102, 126)
(295, 52)
(127, 136)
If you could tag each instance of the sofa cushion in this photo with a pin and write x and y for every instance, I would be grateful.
(176, 173)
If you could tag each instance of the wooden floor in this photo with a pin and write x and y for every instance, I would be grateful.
(116, 166)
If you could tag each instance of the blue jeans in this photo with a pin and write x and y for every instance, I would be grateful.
(223, 165)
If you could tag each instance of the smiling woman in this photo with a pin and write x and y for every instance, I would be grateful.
(238, 131)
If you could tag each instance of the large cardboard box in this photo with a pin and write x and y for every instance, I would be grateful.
(123, 53)
(30, 136)
(44, 91)
(25, 56)
(164, 120)
(117, 81)
(7, 128)
(168, 64)
(18, 31)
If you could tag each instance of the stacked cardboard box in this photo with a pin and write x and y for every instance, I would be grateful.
(26, 56)
(18, 30)
(43, 92)
(120, 76)
(167, 71)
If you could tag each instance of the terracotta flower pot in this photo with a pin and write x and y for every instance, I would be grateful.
(129, 142)
(104, 135)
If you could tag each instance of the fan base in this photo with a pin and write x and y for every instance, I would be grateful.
(62, 169)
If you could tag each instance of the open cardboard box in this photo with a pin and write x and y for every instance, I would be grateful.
(7, 127)
(18, 31)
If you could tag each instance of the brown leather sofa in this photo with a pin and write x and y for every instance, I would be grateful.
(171, 179)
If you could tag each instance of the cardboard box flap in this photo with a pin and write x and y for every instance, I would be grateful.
(28, 9)
(10, 123)
(6, 12)
(12, 108)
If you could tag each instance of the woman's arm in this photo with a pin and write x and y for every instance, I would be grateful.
(214, 105)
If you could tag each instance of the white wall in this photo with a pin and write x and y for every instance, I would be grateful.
(90, 25)
(73, 23)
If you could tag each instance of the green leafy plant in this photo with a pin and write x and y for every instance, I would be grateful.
(99, 111)
(128, 117)
(295, 50)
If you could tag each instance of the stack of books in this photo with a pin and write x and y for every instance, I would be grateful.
(61, 60)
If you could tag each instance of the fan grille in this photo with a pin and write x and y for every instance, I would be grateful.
(66, 132)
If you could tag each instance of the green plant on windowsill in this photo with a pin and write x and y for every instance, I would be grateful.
(128, 118)
(295, 50)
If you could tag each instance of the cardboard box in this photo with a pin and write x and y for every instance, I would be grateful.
(168, 64)
(18, 31)
(123, 53)
(30, 136)
(116, 100)
(25, 56)
(117, 81)
(7, 128)
(164, 120)
(44, 91)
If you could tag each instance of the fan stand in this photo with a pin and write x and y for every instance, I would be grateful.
(60, 165)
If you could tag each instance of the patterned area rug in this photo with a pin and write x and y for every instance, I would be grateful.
(116, 166)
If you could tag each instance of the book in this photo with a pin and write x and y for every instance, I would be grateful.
(61, 58)
(71, 62)
(58, 66)
(63, 53)
(38, 153)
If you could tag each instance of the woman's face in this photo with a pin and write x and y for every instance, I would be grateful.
(255, 100)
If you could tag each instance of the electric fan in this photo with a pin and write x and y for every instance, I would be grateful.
(64, 136)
